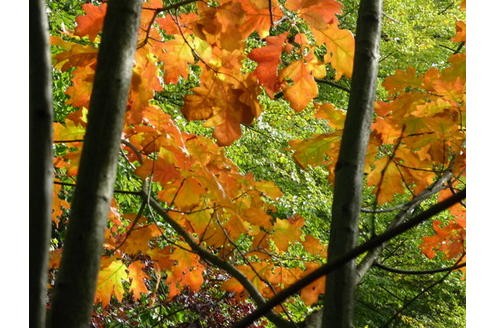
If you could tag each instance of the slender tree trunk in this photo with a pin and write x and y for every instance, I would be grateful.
(40, 161)
(340, 285)
(76, 281)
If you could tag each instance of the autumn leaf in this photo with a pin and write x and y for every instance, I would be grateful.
(460, 35)
(92, 23)
(137, 277)
(401, 80)
(139, 238)
(317, 13)
(187, 272)
(448, 239)
(268, 59)
(340, 49)
(311, 292)
(334, 116)
(286, 231)
(300, 86)
(177, 55)
(389, 179)
(110, 281)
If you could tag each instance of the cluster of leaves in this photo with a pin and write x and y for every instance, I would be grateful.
(280, 50)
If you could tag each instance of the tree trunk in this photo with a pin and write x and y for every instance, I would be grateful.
(76, 281)
(340, 285)
(40, 161)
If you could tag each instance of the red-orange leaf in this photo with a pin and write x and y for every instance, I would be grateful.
(268, 59)
(92, 23)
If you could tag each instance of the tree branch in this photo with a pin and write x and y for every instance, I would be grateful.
(418, 272)
(355, 252)
(408, 208)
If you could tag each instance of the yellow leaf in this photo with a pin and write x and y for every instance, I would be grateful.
(286, 231)
(110, 281)
(340, 49)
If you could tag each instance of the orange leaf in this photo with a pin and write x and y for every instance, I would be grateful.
(137, 277)
(300, 87)
(460, 35)
(401, 80)
(311, 292)
(176, 54)
(391, 180)
(92, 23)
(187, 272)
(317, 13)
(334, 116)
(138, 240)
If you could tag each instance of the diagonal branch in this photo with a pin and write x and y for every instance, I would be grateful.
(352, 254)
(419, 272)
(407, 210)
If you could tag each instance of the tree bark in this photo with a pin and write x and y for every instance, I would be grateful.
(40, 161)
(76, 281)
(340, 285)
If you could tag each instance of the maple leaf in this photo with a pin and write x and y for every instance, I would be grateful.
(300, 87)
(110, 281)
(58, 204)
(320, 149)
(74, 54)
(137, 277)
(259, 16)
(286, 231)
(82, 84)
(268, 59)
(340, 48)
(92, 23)
(180, 24)
(176, 54)
(317, 13)
(187, 272)
(449, 239)
(314, 246)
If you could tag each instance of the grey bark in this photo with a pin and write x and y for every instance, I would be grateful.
(340, 284)
(76, 281)
(40, 161)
